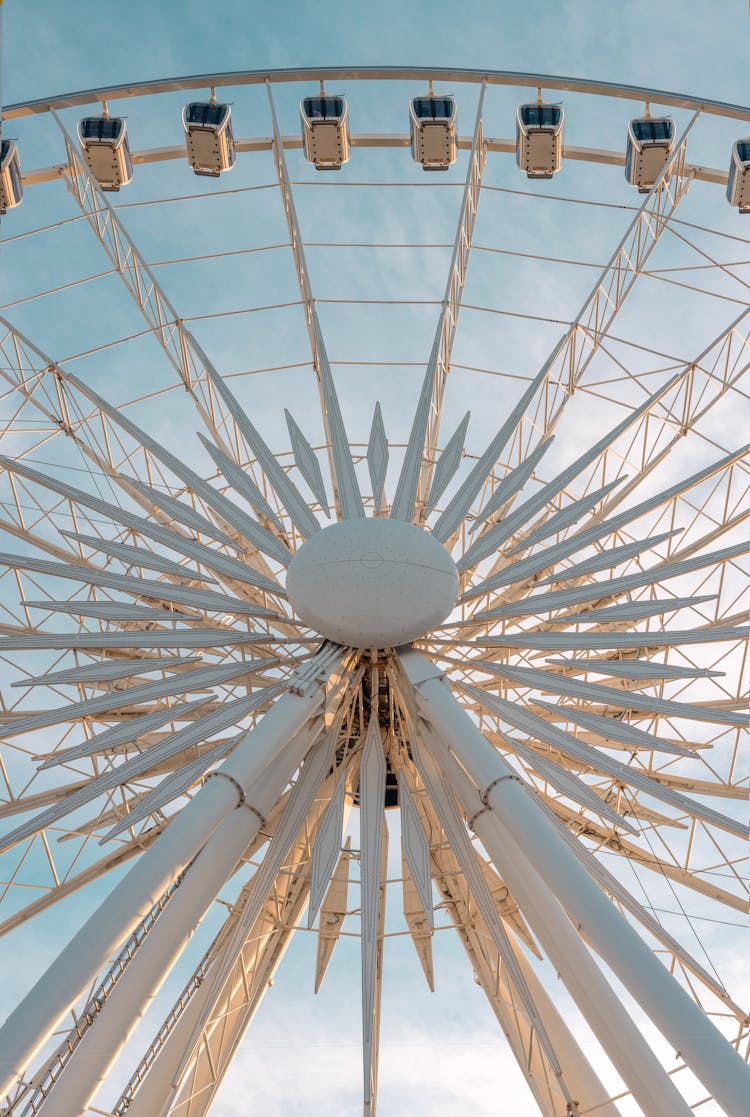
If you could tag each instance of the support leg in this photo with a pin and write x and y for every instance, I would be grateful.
(180, 1074)
(131, 998)
(675, 1013)
(494, 979)
(629, 1052)
(373, 860)
(29, 1025)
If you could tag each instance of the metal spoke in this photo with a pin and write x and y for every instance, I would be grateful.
(415, 479)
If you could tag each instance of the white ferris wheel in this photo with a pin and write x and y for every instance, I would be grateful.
(269, 592)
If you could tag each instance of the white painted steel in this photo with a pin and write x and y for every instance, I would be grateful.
(673, 1011)
(165, 1070)
(584, 1081)
(131, 998)
(416, 470)
(608, 1017)
(447, 463)
(576, 154)
(327, 850)
(171, 537)
(443, 74)
(307, 462)
(30, 1023)
(492, 976)
(346, 494)
(373, 860)
(416, 850)
(372, 583)
(377, 456)
(332, 914)
(450, 819)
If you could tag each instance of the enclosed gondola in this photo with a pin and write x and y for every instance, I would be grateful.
(433, 131)
(209, 137)
(649, 148)
(104, 140)
(325, 131)
(11, 183)
(539, 138)
(738, 182)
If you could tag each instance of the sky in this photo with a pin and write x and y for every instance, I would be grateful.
(670, 45)
(441, 1054)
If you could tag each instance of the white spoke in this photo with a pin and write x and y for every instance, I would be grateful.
(343, 478)
(417, 468)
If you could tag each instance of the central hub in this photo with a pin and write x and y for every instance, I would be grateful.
(372, 583)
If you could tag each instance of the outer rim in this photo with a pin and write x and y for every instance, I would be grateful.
(377, 73)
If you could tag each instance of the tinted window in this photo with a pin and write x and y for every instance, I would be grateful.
(101, 128)
(15, 178)
(541, 116)
(654, 130)
(743, 151)
(323, 108)
(433, 108)
(203, 112)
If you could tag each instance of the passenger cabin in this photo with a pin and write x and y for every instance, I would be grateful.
(208, 137)
(738, 183)
(325, 131)
(433, 131)
(11, 184)
(104, 140)
(650, 146)
(539, 139)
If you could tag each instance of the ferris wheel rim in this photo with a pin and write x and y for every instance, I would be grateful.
(290, 75)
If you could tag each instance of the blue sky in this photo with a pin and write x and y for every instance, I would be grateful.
(51, 46)
(441, 1054)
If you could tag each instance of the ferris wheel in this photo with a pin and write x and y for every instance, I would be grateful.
(271, 592)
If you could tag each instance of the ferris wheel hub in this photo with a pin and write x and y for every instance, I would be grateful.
(372, 583)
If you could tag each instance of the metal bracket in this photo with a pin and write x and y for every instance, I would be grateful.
(474, 817)
(242, 801)
(485, 794)
(484, 798)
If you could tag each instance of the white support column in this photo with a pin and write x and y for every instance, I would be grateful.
(629, 1052)
(502, 997)
(168, 1068)
(31, 1022)
(458, 839)
(591, 1095)
(373, 860)
(131, 998)
(493, 976)
(704, 1049)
